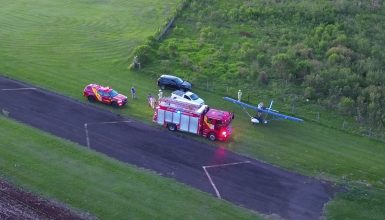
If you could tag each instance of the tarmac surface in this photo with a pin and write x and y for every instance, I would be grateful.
(238, 179)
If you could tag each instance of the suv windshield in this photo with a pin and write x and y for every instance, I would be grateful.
(194, 97)
(113, 93)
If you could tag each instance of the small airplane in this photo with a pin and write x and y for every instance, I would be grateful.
(262, 112)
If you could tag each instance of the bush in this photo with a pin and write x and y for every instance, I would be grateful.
(309, 93)
(346, 105)
(144, 53)
(263, 78)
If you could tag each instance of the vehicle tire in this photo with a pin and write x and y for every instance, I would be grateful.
(171, 127)
(115, 104)
(163, 87)
(212, 136)
(91, 98)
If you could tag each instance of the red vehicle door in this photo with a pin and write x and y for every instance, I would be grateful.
(105, 97)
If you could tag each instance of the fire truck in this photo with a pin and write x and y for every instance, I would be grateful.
(197, 119)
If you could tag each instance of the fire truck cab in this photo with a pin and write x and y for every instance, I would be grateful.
(197, 119)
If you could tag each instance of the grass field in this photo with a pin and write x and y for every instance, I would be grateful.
(102, 186)
(64, 45)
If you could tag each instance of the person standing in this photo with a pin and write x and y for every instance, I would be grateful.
(133, 92)
(149, 96)
(151, 101)
(239, 95)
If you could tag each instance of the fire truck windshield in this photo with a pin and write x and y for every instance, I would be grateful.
(226, 122)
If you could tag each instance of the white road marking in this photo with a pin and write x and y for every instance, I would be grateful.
(219, 165)
(212, 183)
(94, 123)
(5, 112)
(227, 164)
(18, 89)
(87, 137)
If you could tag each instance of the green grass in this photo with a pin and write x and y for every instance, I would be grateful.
(84, 42)
(314, 150)
(102, 186)
(358, 203)
(64, 45)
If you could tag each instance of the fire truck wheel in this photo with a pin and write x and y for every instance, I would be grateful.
(91, 98)
(212, 137)
(171, 127)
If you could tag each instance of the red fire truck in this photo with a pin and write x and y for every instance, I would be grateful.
(197, 119)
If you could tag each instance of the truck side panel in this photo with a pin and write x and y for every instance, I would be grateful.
(184, 122)
(160, 118)
(176, 118)
(168, 116)
(193, 128)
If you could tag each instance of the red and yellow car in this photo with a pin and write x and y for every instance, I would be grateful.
(106, 95)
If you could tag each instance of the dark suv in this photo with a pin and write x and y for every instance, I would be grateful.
(173, 82)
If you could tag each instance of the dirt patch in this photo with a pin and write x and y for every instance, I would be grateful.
(18, 204)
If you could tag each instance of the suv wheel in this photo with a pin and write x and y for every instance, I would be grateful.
(91, 98)
(115, 104)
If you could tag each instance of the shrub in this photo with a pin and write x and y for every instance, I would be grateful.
(346, 105)
(144, 53)
(263, 78)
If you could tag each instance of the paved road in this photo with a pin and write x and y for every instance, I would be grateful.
(238, 179)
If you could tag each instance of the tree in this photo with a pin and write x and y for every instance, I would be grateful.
(282, 65)
(144, 54)
(346, 105)
(263, 78)
(309, 93)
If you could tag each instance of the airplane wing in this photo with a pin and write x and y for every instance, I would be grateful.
(264, 110)
(279, 115)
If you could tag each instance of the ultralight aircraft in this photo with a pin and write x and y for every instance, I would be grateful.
(262, 112)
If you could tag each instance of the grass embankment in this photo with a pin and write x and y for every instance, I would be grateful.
(63, 50)
(104, 187)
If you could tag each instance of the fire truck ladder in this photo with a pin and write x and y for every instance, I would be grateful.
(179, 104)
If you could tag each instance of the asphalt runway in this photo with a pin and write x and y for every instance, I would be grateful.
(224, 174)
